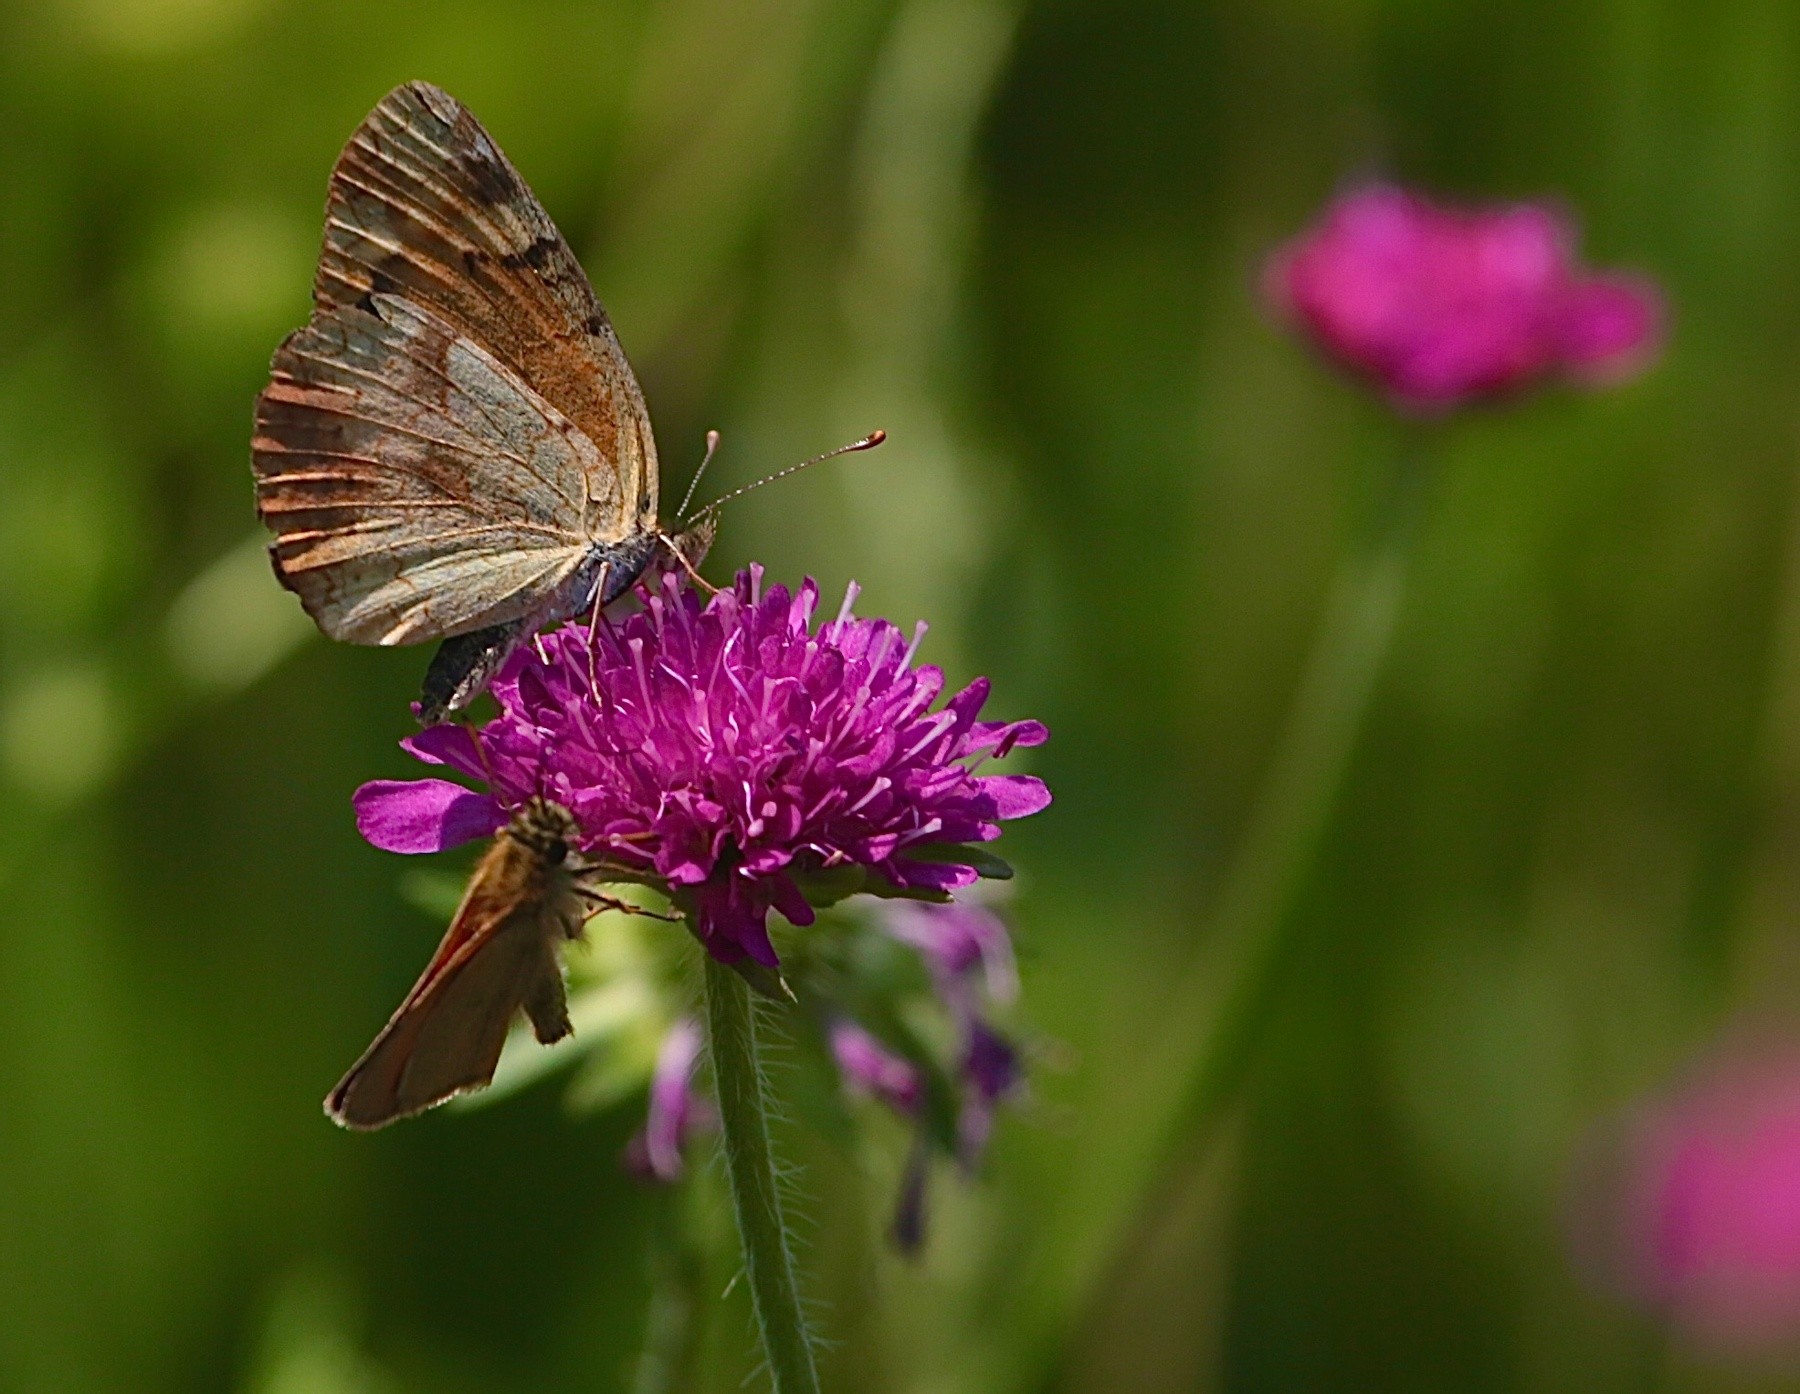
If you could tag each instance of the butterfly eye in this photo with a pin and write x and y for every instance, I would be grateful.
(556, 852)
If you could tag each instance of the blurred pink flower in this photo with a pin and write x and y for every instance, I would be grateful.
(1441, 306)
(1705, 1224)
(677, 1109)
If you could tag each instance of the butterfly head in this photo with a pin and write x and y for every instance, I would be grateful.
(694, 539)
(545, 828)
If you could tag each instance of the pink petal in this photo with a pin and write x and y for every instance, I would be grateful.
(449, 744)
(787, 899)
(423, 815)
(1611, 326)
(933, 876)
(1002, 736)
(1015, 795)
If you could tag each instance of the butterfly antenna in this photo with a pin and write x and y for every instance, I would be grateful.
(468, 723)
(712, 444)
(868, 442)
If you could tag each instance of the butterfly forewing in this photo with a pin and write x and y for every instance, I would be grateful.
(415, 485)
(457, 429)
(497, 959)
(424, 204)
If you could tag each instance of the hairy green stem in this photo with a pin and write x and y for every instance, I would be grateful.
(750, 1168)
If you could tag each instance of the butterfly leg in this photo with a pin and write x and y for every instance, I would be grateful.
(467, 722)
(687, 566)
(599, 602)
(599, 900)
(594, 619)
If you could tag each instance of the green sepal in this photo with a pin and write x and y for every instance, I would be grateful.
(990, 866)
(829, 885)
(764, 981)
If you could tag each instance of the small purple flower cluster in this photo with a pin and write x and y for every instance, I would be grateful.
(730, 754)
(968, 955)
(1440, 306)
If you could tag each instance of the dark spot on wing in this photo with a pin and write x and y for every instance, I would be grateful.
(595, 324)
(495, 183)
(380, 283)
(435, 100)
(536, 256)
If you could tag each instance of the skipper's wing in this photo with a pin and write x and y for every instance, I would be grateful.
(415, 486)
(424, 204)
(497, 958)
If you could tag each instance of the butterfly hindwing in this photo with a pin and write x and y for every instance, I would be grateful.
(415, 485)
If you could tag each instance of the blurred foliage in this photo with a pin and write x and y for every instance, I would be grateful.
(1024, 240)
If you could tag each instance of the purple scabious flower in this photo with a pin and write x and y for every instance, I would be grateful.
(676, 1109)
(1441, 306)
(729, 753)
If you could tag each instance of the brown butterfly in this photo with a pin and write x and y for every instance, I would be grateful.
(454, 447)
(498, 958)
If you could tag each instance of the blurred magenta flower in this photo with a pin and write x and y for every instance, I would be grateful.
(728, 754)
(677, 1110)
(1703, 1224)
(990, 1073)
(955, 940)
(869, 1067)
(1441, 306)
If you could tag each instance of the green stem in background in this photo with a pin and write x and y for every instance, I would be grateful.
(1230, 990)
(750, 1169)
(1254, 929)
(670, 1358)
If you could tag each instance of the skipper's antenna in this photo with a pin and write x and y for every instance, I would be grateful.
(712, 444)
(868, 442)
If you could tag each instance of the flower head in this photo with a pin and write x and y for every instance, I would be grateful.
(1443, 305)
(731, 754)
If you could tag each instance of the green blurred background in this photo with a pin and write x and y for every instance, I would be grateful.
(1023, 239)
